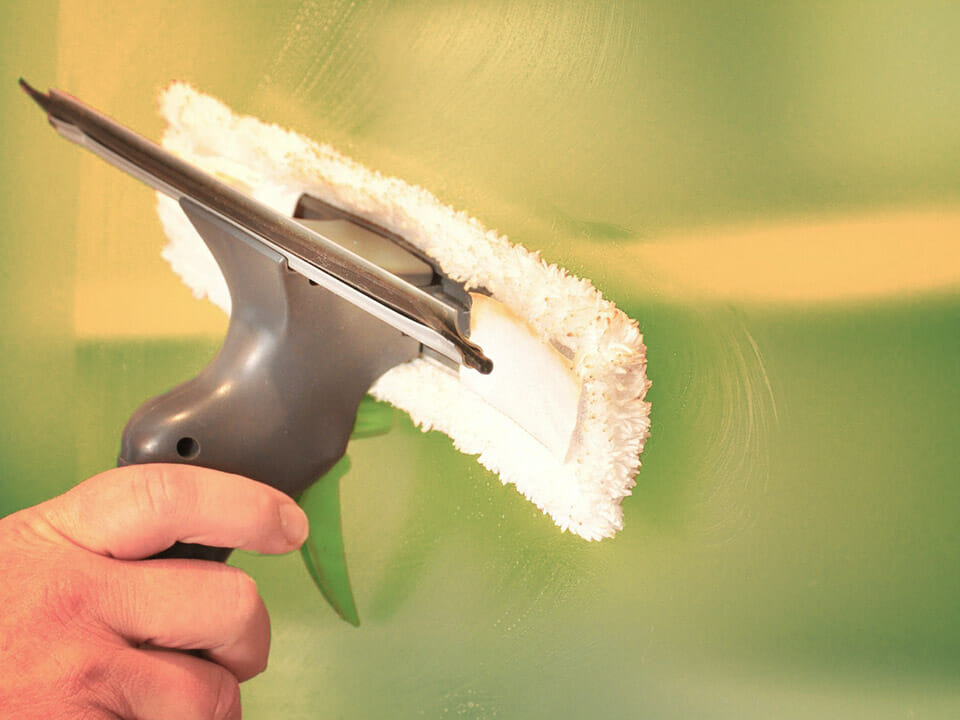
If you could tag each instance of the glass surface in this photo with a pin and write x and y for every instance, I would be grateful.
(771, 190)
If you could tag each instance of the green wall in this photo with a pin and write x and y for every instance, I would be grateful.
(792, 547)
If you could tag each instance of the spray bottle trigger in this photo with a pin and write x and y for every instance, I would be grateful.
(323, 551)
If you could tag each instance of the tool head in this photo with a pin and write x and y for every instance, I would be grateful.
(564, 419)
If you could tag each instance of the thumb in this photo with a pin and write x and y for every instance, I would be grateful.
(136, 511)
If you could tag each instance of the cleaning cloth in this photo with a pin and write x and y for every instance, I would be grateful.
(563, 415)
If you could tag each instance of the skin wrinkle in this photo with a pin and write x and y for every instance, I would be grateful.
(154, 494)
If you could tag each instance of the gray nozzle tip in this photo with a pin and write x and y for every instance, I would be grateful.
(38, 97)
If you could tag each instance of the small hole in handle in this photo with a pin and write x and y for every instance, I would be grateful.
(188, 448)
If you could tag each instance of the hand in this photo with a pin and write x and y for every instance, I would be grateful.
(86, 632)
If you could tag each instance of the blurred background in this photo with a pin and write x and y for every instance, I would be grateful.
(771, 189)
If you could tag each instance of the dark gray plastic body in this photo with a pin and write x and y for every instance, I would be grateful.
(279, 401)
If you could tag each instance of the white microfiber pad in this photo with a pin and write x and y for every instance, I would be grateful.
(563, 415)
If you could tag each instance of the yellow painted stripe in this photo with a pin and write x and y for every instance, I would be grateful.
(813, 260)
(119, 308)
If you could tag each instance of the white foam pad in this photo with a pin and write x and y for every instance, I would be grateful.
(563, 416)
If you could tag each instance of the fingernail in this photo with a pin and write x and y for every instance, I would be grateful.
(293, 522)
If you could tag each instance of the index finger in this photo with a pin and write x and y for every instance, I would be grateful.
(136, 511)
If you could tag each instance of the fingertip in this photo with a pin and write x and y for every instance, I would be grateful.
(294, 523)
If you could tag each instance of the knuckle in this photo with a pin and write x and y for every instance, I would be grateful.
(89, 677)
(259, 663)
(249, 624)
(67, 600)
(157, 492)
(20, 530)
(244, 594)
(225, 697)
(211, 694)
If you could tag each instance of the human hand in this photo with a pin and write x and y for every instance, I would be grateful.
(86, 632)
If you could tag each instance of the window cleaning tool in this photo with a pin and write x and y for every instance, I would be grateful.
(339, 282)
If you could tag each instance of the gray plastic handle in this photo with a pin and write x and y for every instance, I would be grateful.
(279, 401)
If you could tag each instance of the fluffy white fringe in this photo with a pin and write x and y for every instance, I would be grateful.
(582, 491)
